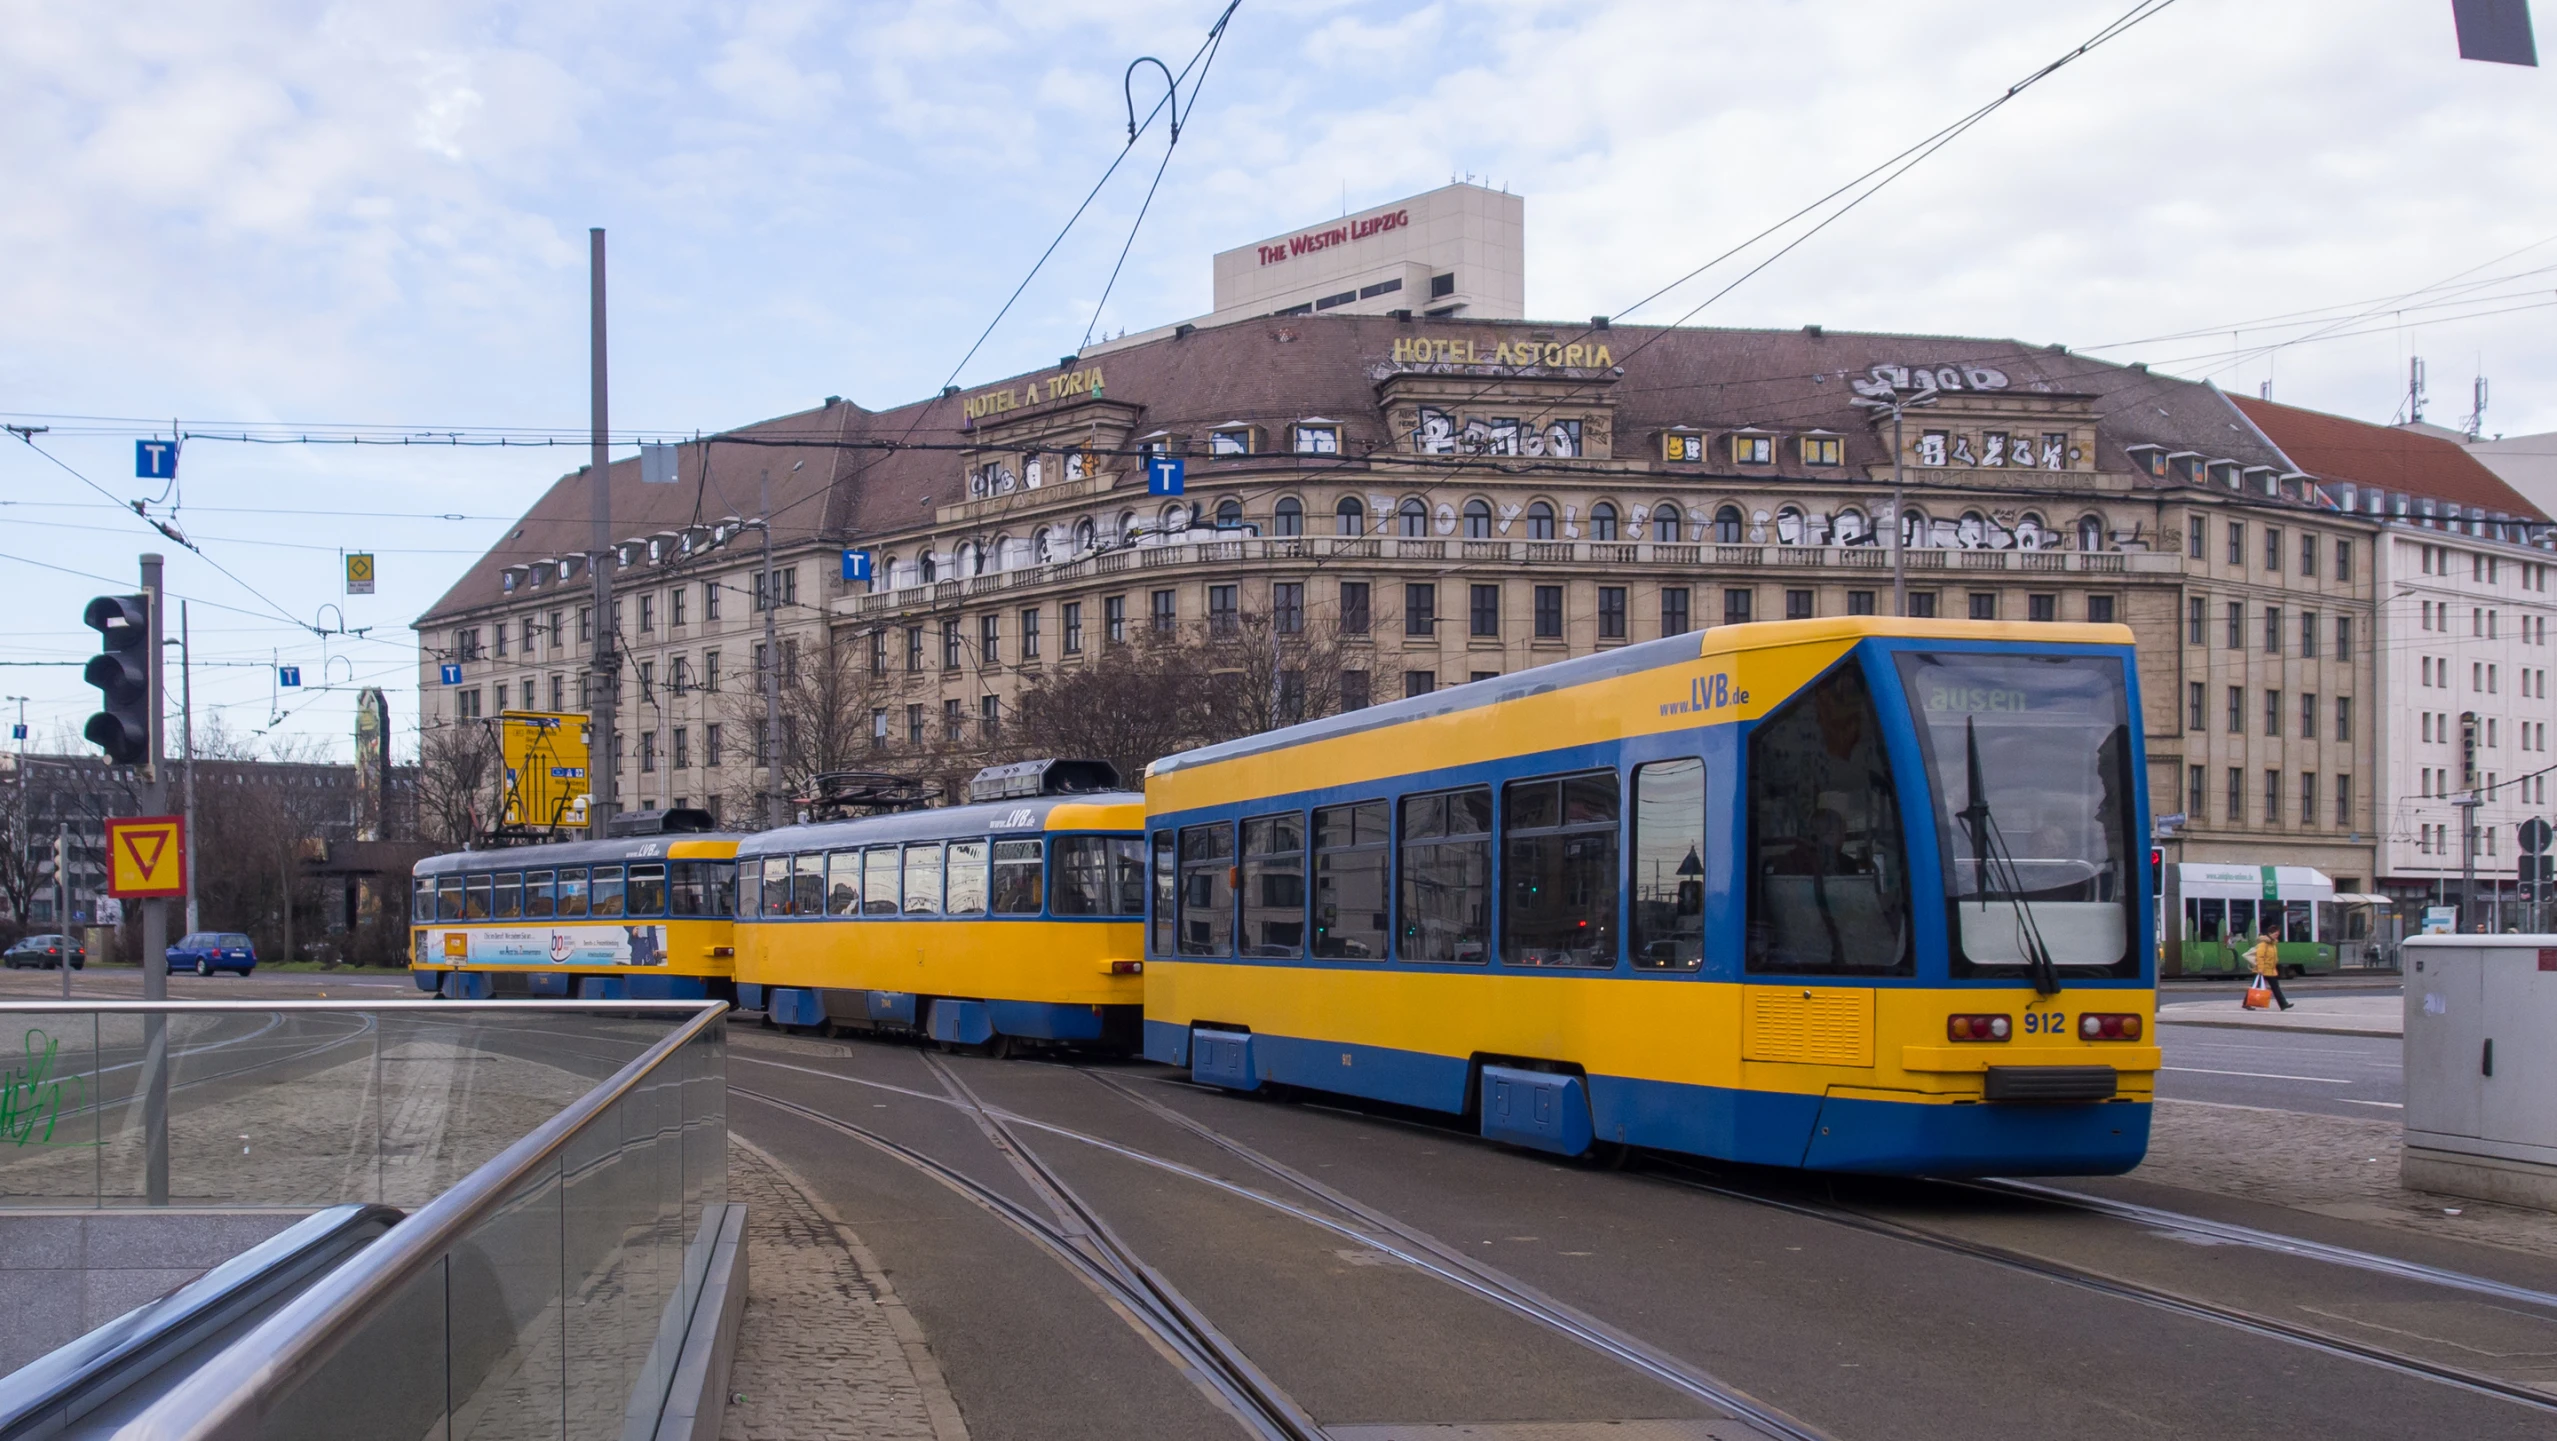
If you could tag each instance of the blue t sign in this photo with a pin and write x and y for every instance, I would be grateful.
(452, 675)
(155, 459)
(856, 565)
(1163, 475)
(288, 675)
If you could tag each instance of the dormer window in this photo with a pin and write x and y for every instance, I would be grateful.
(1318, 437)
(1820, 448)
(1682, 447)
(1753, 447)
(2149, 458)
(1158, 443)
(1230, 440)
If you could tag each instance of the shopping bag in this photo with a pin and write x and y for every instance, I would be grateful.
(2259, 996)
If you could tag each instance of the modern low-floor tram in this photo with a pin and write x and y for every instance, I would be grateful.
(626, 918)
(1855, 894)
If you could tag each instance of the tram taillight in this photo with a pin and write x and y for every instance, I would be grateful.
(1977, 1028)
(2095, 1026)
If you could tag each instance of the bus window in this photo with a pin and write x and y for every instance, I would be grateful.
(647, 891)
(808, 884)
(603, 891)
(843, 883)
(1351, 854)
(421, 900)
(1083, 877)
(572, 891)
(1669, 865)
(1447, 876)
(1161, 941)
(1016, 877)
(923, 878)
(1274, 885)
(1127, 876)
(508, 902)
(879, 881)
(966, 879)
(1558, 871)
(475, 899)
(1828, 878)
(1207, 890)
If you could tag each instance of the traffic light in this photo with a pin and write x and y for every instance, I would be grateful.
(122, 673)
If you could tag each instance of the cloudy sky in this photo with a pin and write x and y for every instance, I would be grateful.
(263, 211)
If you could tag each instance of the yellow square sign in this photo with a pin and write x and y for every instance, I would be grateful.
(146, 856)
(359, 573)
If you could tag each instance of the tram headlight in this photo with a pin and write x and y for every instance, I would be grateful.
(1977, 1028)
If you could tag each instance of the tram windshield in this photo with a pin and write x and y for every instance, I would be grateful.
(2029, 757)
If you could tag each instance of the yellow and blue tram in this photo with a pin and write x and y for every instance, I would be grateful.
(643, 917)
(1018, 919)
(1857, 894)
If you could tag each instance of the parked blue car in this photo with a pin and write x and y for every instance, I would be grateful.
(208, 951)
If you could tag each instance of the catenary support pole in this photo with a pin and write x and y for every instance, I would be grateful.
(1899, 518)
(186, 743)
(603, 761)
(155, 912)
(774, 801)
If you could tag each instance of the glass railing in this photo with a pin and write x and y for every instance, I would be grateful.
(564, 1166)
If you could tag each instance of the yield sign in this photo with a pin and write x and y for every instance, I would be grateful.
(146, 856)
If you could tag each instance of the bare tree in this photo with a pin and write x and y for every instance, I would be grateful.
(461, 783)
(832, 708)
(1171, 691)
(22, 851)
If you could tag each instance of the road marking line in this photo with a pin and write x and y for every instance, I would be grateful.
(2258, 1075)
(2392, 1105)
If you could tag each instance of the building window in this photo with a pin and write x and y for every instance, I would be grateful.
(1318, 440)
(989, 640)
(878, 730)
(466, 704)
(1354, 690)
(647, 685)
(989, 719)
(2344, 637)
(1289, 518)
(1412, 518)
(2036, 607)
(879, 652)
(1823, 450)
(2196, 617)
(2272, 555)
(2308, 715)
(1860, 602)
(710, 600)
(711, 751)
(1752, 449)
(2236, 624)
(1230, 440)
(2099, 609)
(1727, 525)
(1984, 605)
(2272, 713)
(2237, 710)
(1602, 521)
(1678, 447)
(647, 751)
(2308, 562)
(1478, 520)
(914, 647)
(2196, 789)
(2196, 706)
(2308, 634)
(647, 621)
(2193, 533)
(1484, 610)
(1354, 613)
(2343, 784)
(950, 644)
(954, 721)
(2272, 798)
(1418, 682)
(1797, 605)
(2236, 793)
(1420, 610)
(1540, 521)
(1029, 635)
(1735, 607)
(1114, 619)
(2343, 571)
(914, 725)
(1922, 604)
(683, 748)
(1611, 612)
(1665, 521)
(1549, 612)
(2343, 722)
(675, 607)
(2236, 542)
(1222, 618)
(1349, 517)
(1675, 616)
(1166, 611)
(2272, 630)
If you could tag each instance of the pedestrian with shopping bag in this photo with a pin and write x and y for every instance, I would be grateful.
(2268, 975)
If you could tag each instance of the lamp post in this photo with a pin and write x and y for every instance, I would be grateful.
(1897, 407)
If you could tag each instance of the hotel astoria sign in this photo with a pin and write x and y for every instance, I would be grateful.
(1469, 350)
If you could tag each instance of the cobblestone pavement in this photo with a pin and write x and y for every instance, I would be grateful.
(826, 1349)
(2329, 1165)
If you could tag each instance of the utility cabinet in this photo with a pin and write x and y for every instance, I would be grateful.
(2481, 1067)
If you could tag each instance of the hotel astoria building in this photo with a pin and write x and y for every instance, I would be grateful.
(1449, 500)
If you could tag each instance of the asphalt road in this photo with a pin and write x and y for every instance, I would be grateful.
(2283, 1070)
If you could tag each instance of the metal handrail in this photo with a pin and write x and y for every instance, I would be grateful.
(222, 1400)
(187, 1008)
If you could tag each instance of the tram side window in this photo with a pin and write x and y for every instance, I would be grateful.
(1274, 885)
(1669, 865)
(1083, 876)
(572, 891)
(603, 891)
(965, 876)
(843, 883)
(508, 901)
(879, 890)
(647, 890)
(750, 887)
(1127, 876)
(421, 900)
(448, 902)
(923, 878)
(1558, 871)
(1165, 885)
(1352, 851)
(1446, 879)
(475, 898)
(1828, 874)
(1016, 878)
(719, 887)
(1207, 890)
(776, 886)
(537, 895)
(808, 884)
(689, 886)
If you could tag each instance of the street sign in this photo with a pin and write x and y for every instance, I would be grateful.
(2535, 835)
(110, 911)
(18, 730)
(2496, 30)
(359, 573)
(452, 675)
(288, 675)
(856, 565)
(545, 755)
(657, 465)
(1163, 474)
(146, 856)
(155, 459)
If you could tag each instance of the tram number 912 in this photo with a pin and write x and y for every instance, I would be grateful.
(2046, 1023)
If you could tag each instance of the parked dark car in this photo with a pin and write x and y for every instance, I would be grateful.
(46, 953)
(208, 951)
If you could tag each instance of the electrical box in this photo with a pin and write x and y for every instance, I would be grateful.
(2481, 1067)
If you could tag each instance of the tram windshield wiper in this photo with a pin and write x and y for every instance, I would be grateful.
(1993, 868)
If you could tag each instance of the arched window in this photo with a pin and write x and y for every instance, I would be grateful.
(1042, 546)
(883, 576)
(924, 567)
(968, 559)
(1289, 518)
(1000, 555)
(1349, 517)
(1083, 536)
(1665, 521)
(1789, 525)
(1540, 520)
(1851, 528)
(1913, 529)
(1175, 519)
(1478, 520)
(1414, 518)
(1727, 525)
(2091, 532)
(1229, 513)
(1127, 527)
(1602, 521)
(2029, 534)
(1972, 531)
